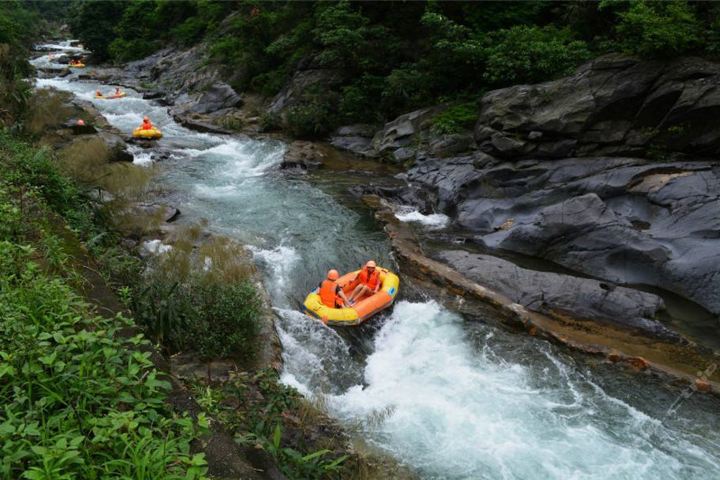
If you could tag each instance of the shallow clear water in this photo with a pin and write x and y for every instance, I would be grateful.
(452, 398)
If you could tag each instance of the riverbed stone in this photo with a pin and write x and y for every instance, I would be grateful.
(565, 295)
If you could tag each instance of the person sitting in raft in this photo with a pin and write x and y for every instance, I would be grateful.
(368, 282)
(98, 93)
(118, 92)
(147, 124)
(331, 294)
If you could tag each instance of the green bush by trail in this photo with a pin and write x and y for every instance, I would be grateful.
(77, 398)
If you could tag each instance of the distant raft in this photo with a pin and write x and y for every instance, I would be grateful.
(363, 309)
(111, 97)
(147, 134)
(76, 65)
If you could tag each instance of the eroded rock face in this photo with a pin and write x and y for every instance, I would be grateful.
(399, 134)
(626, 220)
(561, 172)
(355, 138)
(558, 294)
(614, 105)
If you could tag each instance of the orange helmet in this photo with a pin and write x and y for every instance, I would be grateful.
(333, 274)
(370, 264)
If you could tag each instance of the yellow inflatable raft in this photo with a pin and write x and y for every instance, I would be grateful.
(151, 134)
(111, 97)
(363, 309)
(76, 65)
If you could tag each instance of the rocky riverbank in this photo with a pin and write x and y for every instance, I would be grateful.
(607, 174)
(152, 229)
(610, 173)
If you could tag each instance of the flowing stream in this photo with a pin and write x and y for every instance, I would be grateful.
(449, 397)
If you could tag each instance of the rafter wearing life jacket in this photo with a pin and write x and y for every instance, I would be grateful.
(330, 291)
(369, 278)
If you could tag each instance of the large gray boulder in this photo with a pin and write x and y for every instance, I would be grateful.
(614, 105)
(401, 132)
(626, 220)
(356, 139)
(563, 295)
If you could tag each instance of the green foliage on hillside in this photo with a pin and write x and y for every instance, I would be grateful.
(384, 58)
(79, 398)
(18, 30)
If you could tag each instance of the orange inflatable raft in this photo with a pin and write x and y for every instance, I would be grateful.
(363, 308)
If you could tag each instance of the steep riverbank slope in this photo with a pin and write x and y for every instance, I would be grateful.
(610, 172)
(605, 177)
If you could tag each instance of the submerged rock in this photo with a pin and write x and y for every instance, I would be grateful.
(302, 155)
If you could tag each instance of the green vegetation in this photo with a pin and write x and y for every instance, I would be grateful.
(372, 61)
(265, 421)
(79, 398)
(200, 299)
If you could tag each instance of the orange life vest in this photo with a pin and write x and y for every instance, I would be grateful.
(147, 125)
(328, 294)
(369, 279)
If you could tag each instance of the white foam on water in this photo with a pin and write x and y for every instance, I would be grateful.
(456, 414)
(316, 358)
(142, 158)
(240, 158)
(279, 261)
(434, 221)
(220, 191)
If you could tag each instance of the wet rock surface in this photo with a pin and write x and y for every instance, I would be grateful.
(622, 219)
(558, 294)
(614, 105)
(610, 172)
(302, 155)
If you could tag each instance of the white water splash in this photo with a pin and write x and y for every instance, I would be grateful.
(434, 221)
(454, 414)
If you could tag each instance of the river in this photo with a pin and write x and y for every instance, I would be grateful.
(452, 398)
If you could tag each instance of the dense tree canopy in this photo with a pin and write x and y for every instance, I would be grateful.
(392, 56)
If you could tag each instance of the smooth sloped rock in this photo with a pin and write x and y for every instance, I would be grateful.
(216, 97)
(554, 293)
(627, 220)
(355, 138)
(400, 132)
(614, 105)
(117, 147)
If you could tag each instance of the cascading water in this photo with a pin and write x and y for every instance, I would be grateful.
(453, 399)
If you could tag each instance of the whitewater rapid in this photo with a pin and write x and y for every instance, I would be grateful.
(450, 398)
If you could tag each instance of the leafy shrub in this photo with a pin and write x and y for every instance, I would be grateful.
(456, 118)
(270, 83)
(46, 108)
(79, 400)
(525, 54)
(227, 325)
(270, 122)
(659, 29)
(309, 120)
(124, 50)
(359, 100)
